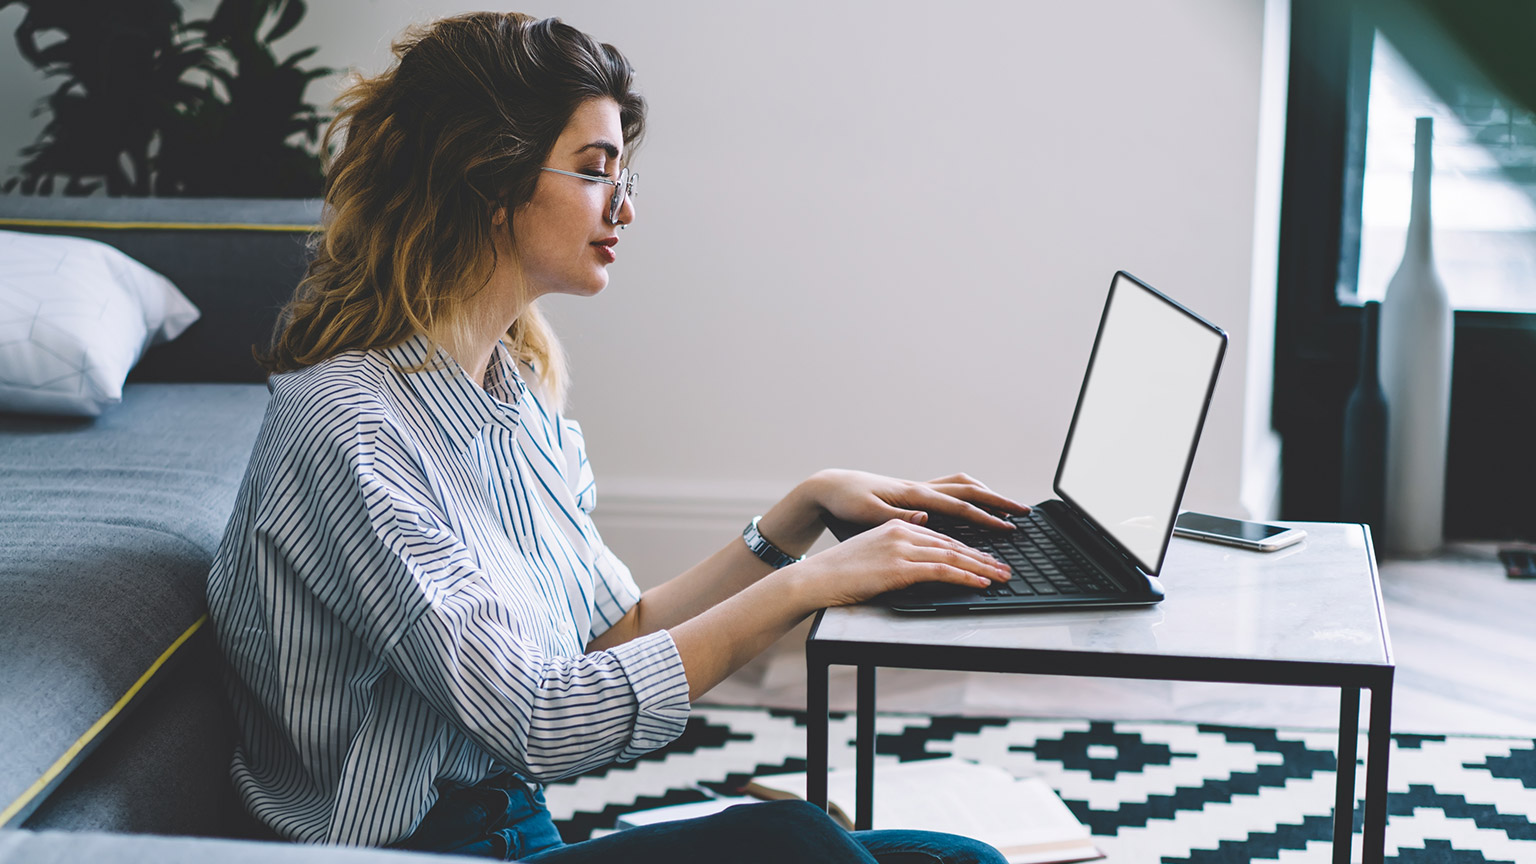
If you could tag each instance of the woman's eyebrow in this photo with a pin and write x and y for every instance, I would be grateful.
(611, 149)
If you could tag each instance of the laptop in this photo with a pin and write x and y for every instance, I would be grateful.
(1121, 474)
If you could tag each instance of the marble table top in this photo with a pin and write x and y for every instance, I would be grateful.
(1318, 601)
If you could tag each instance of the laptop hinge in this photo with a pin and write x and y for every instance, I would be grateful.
(1094, 543)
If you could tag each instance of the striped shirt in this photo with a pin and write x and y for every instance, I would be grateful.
(404, 593)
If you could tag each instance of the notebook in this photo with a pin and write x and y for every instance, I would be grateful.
(1121, 474)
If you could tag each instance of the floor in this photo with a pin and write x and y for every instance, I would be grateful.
(1463, 636)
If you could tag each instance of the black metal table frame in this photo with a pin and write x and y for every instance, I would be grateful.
(1350, 679)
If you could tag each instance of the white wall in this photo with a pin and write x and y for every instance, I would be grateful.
(1260, 485)
(878, 234)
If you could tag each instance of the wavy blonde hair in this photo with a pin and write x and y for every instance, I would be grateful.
(455, 129)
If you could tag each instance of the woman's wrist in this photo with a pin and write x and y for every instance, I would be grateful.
(794, 524)
(796, 588)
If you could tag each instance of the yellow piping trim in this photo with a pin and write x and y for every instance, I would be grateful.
(154, 226)
(59, 765)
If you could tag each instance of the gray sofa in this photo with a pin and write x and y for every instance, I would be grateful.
(112, 719)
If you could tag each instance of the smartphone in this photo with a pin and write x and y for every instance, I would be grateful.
(1236, 532)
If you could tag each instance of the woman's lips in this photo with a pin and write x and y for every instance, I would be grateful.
(605, 249)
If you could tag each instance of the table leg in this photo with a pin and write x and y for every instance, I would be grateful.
(864, 789)
(1377, 747)
(1344, 792)
(816, 731)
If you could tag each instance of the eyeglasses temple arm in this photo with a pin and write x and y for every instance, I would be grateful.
(613, 183)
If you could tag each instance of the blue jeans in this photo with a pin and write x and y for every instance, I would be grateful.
(508, 821)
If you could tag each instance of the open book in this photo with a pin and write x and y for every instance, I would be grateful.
(1023, 819)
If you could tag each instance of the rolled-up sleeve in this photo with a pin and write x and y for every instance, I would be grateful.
(547, 717)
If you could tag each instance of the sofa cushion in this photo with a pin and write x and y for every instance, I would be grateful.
(165, 767)
(107, 531)
(236, 260)
(75, 315)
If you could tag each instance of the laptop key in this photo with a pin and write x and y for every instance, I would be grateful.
(1042, 563)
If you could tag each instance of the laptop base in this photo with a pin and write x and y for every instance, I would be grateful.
(1118, 583)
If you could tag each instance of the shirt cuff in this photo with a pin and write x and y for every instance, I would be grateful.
(655, 671)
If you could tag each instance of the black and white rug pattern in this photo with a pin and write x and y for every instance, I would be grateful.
(1155, 792)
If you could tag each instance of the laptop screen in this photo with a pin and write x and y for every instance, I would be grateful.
(1138, 418)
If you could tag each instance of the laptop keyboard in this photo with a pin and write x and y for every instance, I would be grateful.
(1043, 561)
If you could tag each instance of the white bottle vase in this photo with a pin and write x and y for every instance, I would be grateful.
(1416, 339)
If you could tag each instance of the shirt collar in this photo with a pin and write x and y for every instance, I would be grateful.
(461, 408)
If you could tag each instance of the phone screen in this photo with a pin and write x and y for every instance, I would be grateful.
(1250, 531)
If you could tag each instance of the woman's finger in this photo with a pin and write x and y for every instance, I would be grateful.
(954, 565)
(936, 501)
(937, 572)
(927, 543)
(903, 514)
(958, 478)
(982, 497)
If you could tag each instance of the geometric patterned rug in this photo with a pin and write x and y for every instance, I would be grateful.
(1151, 792)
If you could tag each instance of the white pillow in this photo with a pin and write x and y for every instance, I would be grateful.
(75, 315)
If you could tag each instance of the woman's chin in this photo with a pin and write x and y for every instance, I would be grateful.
(597, 285)
(586, 288)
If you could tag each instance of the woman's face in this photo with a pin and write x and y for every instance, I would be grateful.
(563, 238)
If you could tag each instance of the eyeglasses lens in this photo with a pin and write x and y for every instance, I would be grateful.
(624, 188)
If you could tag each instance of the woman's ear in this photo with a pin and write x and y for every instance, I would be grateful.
(499, 216)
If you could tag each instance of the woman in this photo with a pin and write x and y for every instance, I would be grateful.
(422, 622)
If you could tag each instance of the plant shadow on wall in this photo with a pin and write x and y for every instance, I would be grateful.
(152, 104)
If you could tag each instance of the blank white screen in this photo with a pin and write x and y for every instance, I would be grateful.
(1138, 418)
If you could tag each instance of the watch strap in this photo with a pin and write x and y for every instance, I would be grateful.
(766, 552)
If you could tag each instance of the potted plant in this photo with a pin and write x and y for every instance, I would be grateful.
(152, 104)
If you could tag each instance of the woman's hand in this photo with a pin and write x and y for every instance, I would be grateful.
(890, 556)
(869, 499)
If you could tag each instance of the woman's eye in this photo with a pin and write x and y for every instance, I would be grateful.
(596, 172)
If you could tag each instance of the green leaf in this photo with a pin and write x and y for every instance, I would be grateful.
(288, 18)
(299, 56)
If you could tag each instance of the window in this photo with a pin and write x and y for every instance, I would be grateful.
(1484, 198)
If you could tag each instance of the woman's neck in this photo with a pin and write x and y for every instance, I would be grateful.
(473, 344)
(489, 314)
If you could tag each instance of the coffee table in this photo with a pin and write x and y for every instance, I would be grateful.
(1310, 614)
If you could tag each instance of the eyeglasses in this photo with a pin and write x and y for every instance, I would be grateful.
(622, 188)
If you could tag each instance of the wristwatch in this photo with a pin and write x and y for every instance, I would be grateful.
(758, 545)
